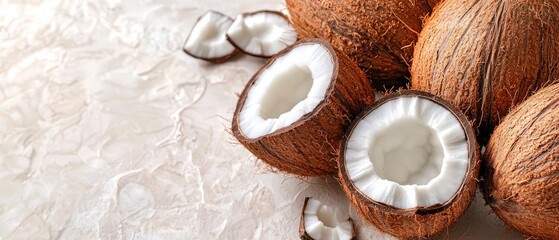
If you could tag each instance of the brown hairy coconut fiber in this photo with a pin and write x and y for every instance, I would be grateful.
(487, 56)
(378, 35)
(521, 170)
(309, 146)
(421, 220)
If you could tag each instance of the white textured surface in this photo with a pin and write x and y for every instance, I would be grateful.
(109, 131)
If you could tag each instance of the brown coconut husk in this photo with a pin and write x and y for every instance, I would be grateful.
(303, 232)
(420, 222)
(521, 169)
(378, 35)
(487, 56)
(310, 146)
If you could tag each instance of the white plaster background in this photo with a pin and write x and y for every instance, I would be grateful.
(109, 131)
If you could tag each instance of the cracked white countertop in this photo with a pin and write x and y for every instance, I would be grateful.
(109, 131)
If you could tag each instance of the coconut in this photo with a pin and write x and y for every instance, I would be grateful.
(207, 39)
(262, 33)
(319, 221)
(296, 108)
(409, 164)
(521, 170)
(487, 56)
(378, 35)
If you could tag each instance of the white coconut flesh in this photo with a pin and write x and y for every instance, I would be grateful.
(410, 152)
(292, 86)
(208, 38)
(326, 223)
(262, 33)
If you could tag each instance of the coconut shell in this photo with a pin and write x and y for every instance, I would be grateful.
(420, 222)
(521, 170)
(378, 35)
(310, 146)
(303, 232)
(487, 56)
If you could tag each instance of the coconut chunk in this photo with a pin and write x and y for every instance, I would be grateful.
(207, 39)
(321, 222)
(295, 110)
(412, 159)
(262, 33)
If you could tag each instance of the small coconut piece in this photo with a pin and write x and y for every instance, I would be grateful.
(521, 170)
(294, 111)
(321, 222)
(409, 164)
(487, 56)
(262, 33)
(207, 39)
(379, 35)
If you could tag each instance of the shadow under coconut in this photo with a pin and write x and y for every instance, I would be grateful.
(479, 222)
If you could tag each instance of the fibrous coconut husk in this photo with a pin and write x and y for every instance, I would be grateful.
(378, 35)
(521, 169)
(486, 56)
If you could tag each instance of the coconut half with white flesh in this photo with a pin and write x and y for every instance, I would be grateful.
(207, 39)
(321, 222)
(409, 164)
(262, 33)
(294, 111)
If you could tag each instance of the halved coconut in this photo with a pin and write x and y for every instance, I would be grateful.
(295, 110)
(409, 164)
(207, 40)
(321, 222)
(262, 33)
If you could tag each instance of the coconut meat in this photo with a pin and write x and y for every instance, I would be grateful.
(208, 37)
(291, 86)
(326, 223)
(408, 153)
(262, 33)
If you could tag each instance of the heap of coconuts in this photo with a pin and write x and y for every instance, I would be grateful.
(480, 73)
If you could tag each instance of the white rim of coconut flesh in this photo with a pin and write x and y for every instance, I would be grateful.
(290, 87)
(410, 152)
(208, 40)
(262, 33)
(325, 222)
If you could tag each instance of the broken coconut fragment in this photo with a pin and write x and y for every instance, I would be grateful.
(262, 33)
(321, 222)
(207, 40)
(409, 164)
(294, 111)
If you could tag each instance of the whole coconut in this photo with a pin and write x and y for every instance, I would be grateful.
(487, 56)
(521, 173)
(378, 35)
